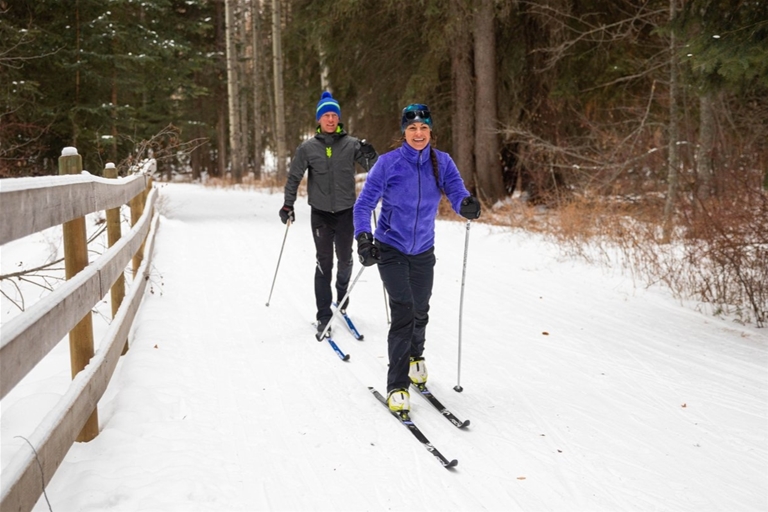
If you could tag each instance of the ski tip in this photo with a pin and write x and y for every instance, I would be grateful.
(465, 424)
(361, 338)
(452, 464)
(345, 358)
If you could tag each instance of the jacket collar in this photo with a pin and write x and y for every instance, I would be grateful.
(330, 137)
(413, 155)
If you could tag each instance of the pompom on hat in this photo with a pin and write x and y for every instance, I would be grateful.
(415, 113)
(327, 104)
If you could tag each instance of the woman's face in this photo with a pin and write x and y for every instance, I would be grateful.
(417, 135)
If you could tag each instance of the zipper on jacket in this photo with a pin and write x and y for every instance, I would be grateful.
(329, 153)
(418, 203)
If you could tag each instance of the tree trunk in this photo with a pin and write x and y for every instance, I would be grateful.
(672, 156)
(325, 82)
(75, 128)
(462, 93)
(233, 92)
(490, 186)
(113, 142)
(277, 57)
(704, 171)
(197, 158)
(221, 140)
(242, 81)
(256, 74)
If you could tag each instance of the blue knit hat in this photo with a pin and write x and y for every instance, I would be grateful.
(327, 104)
(415, 113)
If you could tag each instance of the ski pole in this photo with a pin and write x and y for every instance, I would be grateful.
(321, 335)
(375, 222)
(458, 387)
(287, 225)
(383, 288)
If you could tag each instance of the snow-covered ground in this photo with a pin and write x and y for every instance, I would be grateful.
(585, 393)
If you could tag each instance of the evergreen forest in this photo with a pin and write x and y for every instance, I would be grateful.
(636, 120)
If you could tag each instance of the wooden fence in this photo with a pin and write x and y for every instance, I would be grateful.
(30, 205)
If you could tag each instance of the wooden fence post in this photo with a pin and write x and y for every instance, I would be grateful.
(114, 232)
(76, 259)
(137, 205)
(137, 208)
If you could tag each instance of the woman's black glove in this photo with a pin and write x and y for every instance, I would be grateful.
(470, 208)
(366, 250)
(286, 214)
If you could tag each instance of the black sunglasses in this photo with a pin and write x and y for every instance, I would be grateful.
(413, 114)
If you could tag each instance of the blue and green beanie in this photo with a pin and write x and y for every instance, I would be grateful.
(415, 113)
(327, 104)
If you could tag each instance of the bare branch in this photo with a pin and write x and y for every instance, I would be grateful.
(583, 29)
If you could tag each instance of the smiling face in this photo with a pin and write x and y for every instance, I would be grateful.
(417, 135)
(328, 122)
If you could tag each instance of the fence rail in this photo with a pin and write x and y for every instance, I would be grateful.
(35, 204)
(53, 200)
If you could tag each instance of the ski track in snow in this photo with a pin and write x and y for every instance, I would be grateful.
(584, 392)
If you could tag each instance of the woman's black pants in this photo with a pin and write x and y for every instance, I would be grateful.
(408, 281)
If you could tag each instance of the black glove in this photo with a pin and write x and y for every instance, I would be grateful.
(470, 208)
(368, 252)
(286, 214)
(367, 150)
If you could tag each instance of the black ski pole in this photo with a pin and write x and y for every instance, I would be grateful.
(287, 225)
(458, 387)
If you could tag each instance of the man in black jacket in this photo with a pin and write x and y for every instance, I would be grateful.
(330, 158)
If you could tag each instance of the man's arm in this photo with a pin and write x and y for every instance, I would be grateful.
(295, 174)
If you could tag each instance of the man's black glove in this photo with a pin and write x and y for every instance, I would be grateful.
(286, 214)
(367, 150)
(366, 250)
(470, 208)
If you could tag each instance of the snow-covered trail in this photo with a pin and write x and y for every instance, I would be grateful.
(584, 392)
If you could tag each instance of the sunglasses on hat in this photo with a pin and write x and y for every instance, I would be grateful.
(412, 112)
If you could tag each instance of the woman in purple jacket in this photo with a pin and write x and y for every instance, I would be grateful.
(409, 181)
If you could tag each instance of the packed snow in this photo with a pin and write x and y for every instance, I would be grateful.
(585, 390)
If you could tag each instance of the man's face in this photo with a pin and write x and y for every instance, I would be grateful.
(329, 121)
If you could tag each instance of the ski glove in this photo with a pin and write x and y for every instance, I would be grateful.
(366, 250)
(470, 208)
(367, 150)
(286, 214)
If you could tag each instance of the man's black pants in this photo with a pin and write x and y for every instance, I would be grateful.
(331, 230)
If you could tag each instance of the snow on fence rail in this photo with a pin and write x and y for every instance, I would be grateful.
(35, 204)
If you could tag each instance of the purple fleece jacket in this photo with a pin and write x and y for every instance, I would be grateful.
(403, 180)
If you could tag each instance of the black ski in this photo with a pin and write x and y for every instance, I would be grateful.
(426, 393)
(405, 419)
